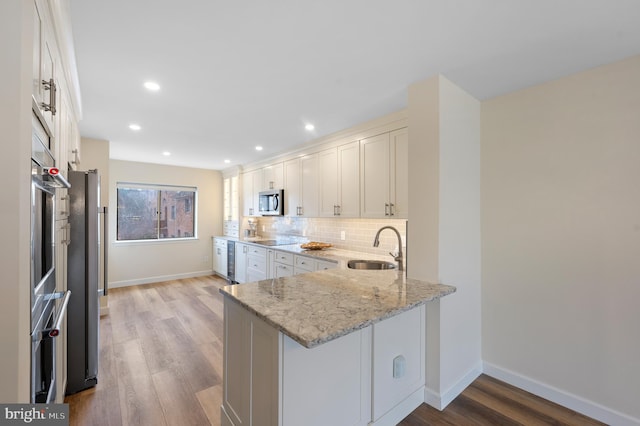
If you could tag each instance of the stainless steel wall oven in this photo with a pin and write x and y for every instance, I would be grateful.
(47, 305)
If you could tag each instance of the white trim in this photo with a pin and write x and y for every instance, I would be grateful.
(157, 279)
(566, 399)
(440, 401)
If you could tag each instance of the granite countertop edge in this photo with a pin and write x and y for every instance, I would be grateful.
(442, 290)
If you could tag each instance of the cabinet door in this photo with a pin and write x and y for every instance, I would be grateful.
(328, 182)
(220, 256)
(309, 190)
(273, 176)
(349, 180)
(49, 97)
(399, 175)
(374, 176)
(249, 199)
(236, 363)
(234, 199)
(400, 338)
(282, 270)
(241, 263)
(292, 187)
(36, 85)
(226, 199)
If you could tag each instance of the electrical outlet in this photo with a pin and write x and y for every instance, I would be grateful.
(343, 235)
(263, 228)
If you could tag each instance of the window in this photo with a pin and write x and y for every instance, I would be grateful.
(142, 212)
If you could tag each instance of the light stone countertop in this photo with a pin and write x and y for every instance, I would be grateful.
(317, 307)
(339, 256)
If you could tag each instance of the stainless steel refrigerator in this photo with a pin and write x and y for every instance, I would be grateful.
(86, 278)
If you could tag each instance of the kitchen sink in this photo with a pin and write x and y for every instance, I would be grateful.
(370, 264)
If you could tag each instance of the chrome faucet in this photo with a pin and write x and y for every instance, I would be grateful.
(396, 256)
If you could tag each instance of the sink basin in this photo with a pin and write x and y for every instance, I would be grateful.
(370, 264)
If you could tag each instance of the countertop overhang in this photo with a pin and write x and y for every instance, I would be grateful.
(318, 307)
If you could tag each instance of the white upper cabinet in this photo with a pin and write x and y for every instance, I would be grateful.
(328, 184)
(399, 175)
(273, 176)
(349, 180)
(44, 87)
(231, 200)
(339, 171)
(384, 176)
(301, 186)
(251, 184)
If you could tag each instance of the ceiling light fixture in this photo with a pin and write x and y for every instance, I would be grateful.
(135, 127)
(227, 161)
(151, 85)
(309, 127)
(258, 148)
(166, 153)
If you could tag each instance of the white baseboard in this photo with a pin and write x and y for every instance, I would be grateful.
(158, 279)
(440, 401)
(566, 399)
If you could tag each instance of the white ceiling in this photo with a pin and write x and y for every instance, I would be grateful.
(235, 74)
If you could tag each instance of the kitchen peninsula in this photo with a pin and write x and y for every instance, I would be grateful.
(339, 347)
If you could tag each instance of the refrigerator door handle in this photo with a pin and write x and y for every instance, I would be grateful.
(105, 239)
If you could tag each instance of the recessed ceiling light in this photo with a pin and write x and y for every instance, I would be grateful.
(258, 148)
(152, 85)
(166, 153)
(227, 161)
(135, 127)
(309, 127)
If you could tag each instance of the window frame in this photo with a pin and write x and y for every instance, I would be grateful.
(160, 188)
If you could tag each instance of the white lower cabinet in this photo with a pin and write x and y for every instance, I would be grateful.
(256, 263)
(398, 365)
(241, 262)
(220, 256)
(357, 379)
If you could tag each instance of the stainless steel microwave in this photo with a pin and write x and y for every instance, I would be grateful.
(271, 203)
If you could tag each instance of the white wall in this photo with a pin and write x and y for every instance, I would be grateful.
(16, 45)
(444, 229)
(561, 240)
(144, 262)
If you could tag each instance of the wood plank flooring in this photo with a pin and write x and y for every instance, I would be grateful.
(161, 364)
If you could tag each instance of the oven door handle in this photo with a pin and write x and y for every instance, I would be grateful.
(57, 324)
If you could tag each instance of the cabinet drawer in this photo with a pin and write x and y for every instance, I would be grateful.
(284, 257)
(257, 263)
(323, 265)
(258, 251)
(305, 263)
(282, 270)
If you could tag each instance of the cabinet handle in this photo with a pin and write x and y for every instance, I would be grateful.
(391, 209)
(250, 211)
(270, 184)
(299, 210)
(386, 209)
(66, 205)
(51, 87)
(67, 235)
(75, 156)
(339, 209)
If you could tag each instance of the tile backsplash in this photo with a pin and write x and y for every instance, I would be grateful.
(358, 233)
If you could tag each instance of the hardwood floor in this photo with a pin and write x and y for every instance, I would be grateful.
(161, 364)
